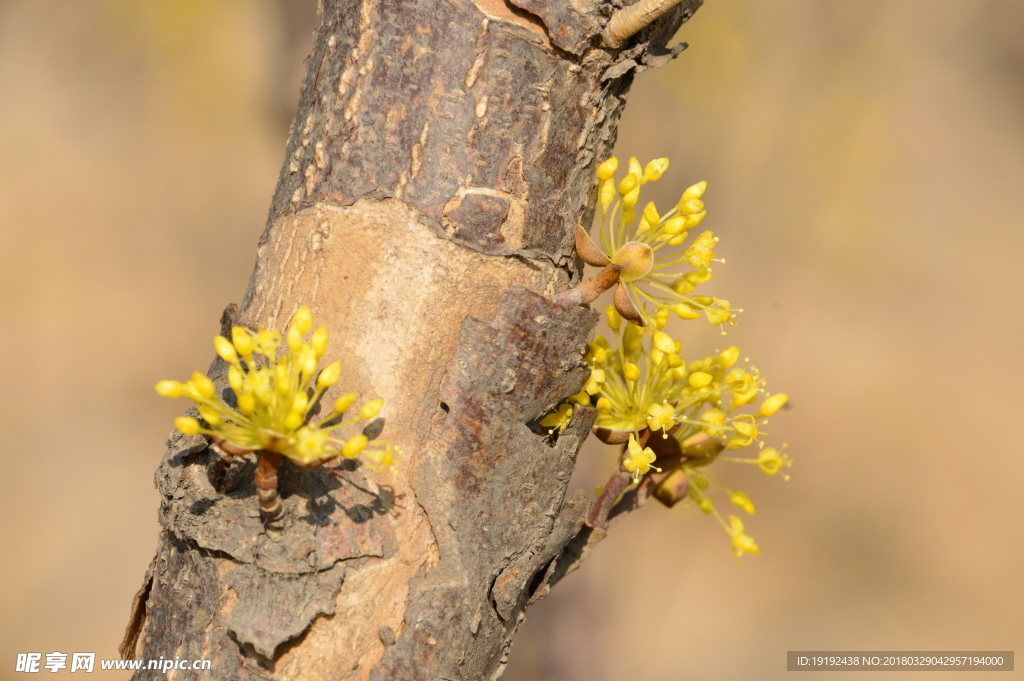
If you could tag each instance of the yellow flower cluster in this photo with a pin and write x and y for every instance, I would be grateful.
(651, 278)
(273, 399)
(642, 383)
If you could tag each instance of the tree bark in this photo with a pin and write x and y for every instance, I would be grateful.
(442, 154)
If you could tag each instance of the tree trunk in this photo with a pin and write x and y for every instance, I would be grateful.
(442, 154)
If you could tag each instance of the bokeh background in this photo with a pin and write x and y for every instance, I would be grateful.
(866, 170)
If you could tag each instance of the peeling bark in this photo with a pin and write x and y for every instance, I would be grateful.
(442, 154)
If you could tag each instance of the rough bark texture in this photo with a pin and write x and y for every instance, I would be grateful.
(442, 154)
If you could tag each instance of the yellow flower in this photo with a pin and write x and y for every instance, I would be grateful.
(640, 460)
(272, 397)
(714, 420)
(741, 500)
(661, 417)
(597, 377)
(741, 542)
(557, 420)
(771, 461)
(745, 432)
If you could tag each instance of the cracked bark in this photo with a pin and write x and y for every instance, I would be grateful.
(441, 156)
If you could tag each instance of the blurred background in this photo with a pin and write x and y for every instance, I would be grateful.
(866, 178)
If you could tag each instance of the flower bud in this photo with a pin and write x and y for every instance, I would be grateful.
(694, 191)
(635, 169)
(664, 342)
(247, 403)
(674, 225)
(698, 277)
(628, 184)
(699, 379)
(281, 379)
(319, 341)
(169, 388)
(651, 213)
(308, 364)
(655, 169)
(607, 169)
(607, 193)
(236, 379)
(354, 446)
(242, 340)
(696, 219)
(631, 371)
(371, 409)
(661, 317)
(187, 425)
(685, 311)
(729, 356)
(209, 415)
(342, 404)
(682, 286)
(203, 385)
(691, 207)
(632, 339)
(294, 338)
(614, 318)
(302, 321)
(773, 404)
(598, 353)
(225, 349)
(329, 376)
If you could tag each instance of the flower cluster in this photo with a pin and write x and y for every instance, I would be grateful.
(648, 282)
(273, 400)
(686, 413)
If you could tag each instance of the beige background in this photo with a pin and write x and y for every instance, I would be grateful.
(865, 162)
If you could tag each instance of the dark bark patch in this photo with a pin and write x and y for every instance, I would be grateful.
(274, 608)
(386, 635)
(570, 24)
(476, 220)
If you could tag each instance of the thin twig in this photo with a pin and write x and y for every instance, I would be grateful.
(629, 20)
(588, 291)
(266, 483)
(618, 483)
